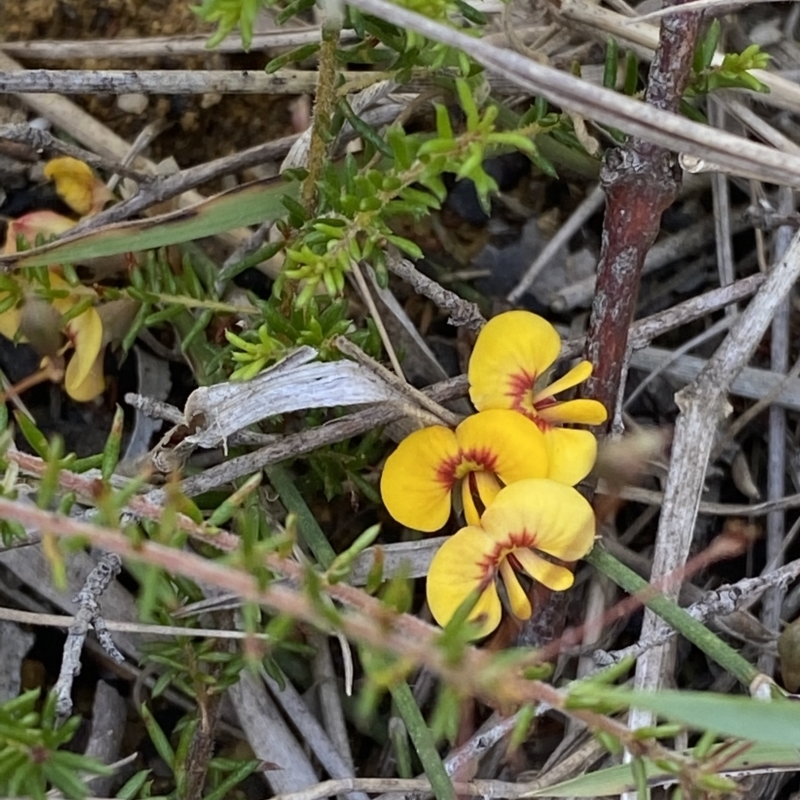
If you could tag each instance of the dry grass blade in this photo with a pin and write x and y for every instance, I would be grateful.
(245, 205)
(703, 405)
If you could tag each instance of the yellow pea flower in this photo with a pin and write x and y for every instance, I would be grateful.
(513, 352)
(83, 379)
(484, 452)
(77, 185)
(527, 519)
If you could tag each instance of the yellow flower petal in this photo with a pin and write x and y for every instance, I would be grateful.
(578, 412)
(10, 320)
(77, 185)
(553, 576)
(571, 454)
(471, 513)
(417, 478)
(48, 223)
(544, 515)
(512, 351)
(488, 486)
(505, 443)
(578, 374)
(462, 565)
(92, 385)
(517, 599)
(86, 333)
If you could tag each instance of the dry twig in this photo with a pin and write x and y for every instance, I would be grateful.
(703, 405)
(108, 567)
(179, 81)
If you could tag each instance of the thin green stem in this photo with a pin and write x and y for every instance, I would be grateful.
(283, 483)
(423, 741)
(690, 628)
(199, 353)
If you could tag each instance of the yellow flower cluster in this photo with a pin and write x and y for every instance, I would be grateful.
(83, 379)
(511, 468)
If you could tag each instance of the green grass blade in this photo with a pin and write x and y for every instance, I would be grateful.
(250, 204)
(618, 780)
(775, 722)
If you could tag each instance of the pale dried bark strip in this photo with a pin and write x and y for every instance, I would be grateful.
(703, 406)
(177, 81)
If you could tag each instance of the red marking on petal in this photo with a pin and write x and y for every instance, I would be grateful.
(541, 405)
(489, 564)
(522, 540)
(521, 391)
(520, 385)
(473, 459)
(446, 471)
(482, 457)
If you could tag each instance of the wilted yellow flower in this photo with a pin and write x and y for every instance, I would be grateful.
(527, 521)
(507, 370)
(29, 226)
(77, 185)
(83, 379)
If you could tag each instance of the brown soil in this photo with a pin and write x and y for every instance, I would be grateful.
(200, 127)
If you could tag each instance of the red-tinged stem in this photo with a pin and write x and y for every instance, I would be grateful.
(641, 181)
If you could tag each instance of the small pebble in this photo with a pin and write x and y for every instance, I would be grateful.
(210, 99)
(169, 166)
(133, 103)
(189, 121)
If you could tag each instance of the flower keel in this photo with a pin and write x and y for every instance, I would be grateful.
(527, 521)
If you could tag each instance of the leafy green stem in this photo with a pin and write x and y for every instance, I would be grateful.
(284, 484)
(423, 740)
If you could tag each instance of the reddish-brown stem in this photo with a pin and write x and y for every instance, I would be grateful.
(641, 181)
